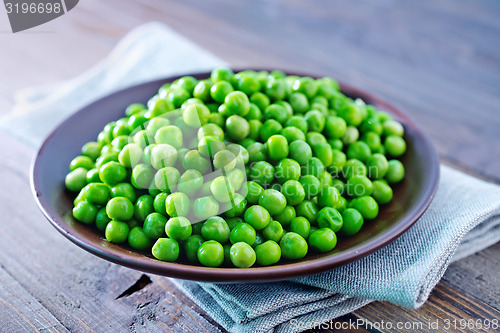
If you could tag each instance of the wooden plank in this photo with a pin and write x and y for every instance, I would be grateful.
(447, 310)
(81, 291)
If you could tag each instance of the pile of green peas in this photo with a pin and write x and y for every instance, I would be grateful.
(239, 169)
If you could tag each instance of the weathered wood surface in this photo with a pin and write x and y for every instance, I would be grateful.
(437, 60)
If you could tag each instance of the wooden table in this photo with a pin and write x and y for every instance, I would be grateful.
(437, 60)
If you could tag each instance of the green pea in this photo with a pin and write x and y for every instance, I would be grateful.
(287, 169)
(205, 207)
(202, 90)
(293, 246)
(102, 219)
(324, 153)
(276, 89)
(315, 120)
(292, 133)
(195, 115)
(76, 179)
(313, 167)
(159, 203)
(300, 225)
(353, 221)
(354, 167)
(307, 209)
(142, 175)
(191, 247)
(269, 128)
(300, 151)
(124, 190)
(286, 216)
(92, 176)
(221, 189)
(186, 82)
(177, 96)
(171, 135)
(273, 201)
(311, 186)
(377, 166)
(95, 193)
(258, 216)
(138, 240)
(134, 108)
(81, 162)
(262, 173)
(293, 191)
(220, 90)
(268, 253)
(154, 225)
(216, 228)
(315, 138)
(178, 228)
(194, 160)
(329, 217)
(396, 172)
(143, 207)
(358, 186)
(242, 255)
(273, 231)
(92, 150)
(120, 208)
(237, 127)
(299, 122)
(372, 139)
(367, 206)
(299, 102)
(211, 254)
(166, 249)
(322, 240)
(248, 84)
(336, 144)
(358, 150)
(351, 135)
(305, 85)
(254, 190)
(224, 159)
(85, 212)
(382, 192)
(392, 127)
(372, 124)
(163, 155)
(177, 204)
(237, 103)
(212, 130)
(243, 232)
(221, 74)
(166, 179)
(117, 231)
(261, 100)
(395, 145)
(112, 173)
(276, 112)
(190, 182)
(257, 152)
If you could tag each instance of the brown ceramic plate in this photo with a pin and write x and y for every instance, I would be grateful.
(411, 197)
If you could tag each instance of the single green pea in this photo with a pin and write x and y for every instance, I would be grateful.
(224, 159)
(293, 191)
(324, 153)
(315, 120)
(300, 225)
(305, 85)
(354, 167)
(372, 139)
(237, 103)
(142, 175)
(102, 219)
(178, 228)
(287, 169)
(286, 216)
(221, 74)
(299, 122)
(143, 207)
(105, 158)
(211, 254)
(243, 232)
(258, 216)
(92, 176)
(120, 208)
(248, 84)
(194, 160)
(268, 253)
(371, 124)
(166, 179)
(276, 112)
(313, 167)
(322, 240)
(171, 135)
(257, 152)
(177, 204)
(221, 189)
(220, 90)
(242, 255)
(299, 102)
(392, 127)
(85, 212)
(134, 108)
(81, 162)
(293, 246)
(166, 249)
(352, 114)
(311, 186)
(95, 193)
(190, 182)
(186, 82)
(329, 197)
(269, 128)
(235, 207)
(159, 106)
(274, 201)
(119, 142)
(277, 147)
(336, 144)
(237, 127)
(163, 155)
(216, 228)
(262, 173)
(76, 179)
(300, 151)
(159, 203)
(154, 225)
(273, 231)
(205, 207)
(395, 145)
(191, 247)
(315, 138)
(112, 173)
(117, 231)
(377, 166)
(353, 221)
(307, 209)
(367, 206)
(358, 186)
(351, 135)
(292, 133)
(335, 127)
(396, 172)
(358, 150)
(138, 240)
(261, 100)
(329, 217)
(382, 192)
(202, 90)
(124, 190)
(254, 129)
(195, 115)
(276, 89)
(92, 150)
(177, 96)
(212, 130)
(254, 190)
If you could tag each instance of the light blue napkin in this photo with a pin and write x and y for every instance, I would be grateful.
(463, 218)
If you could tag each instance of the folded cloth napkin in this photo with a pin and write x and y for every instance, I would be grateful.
(463, 218)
